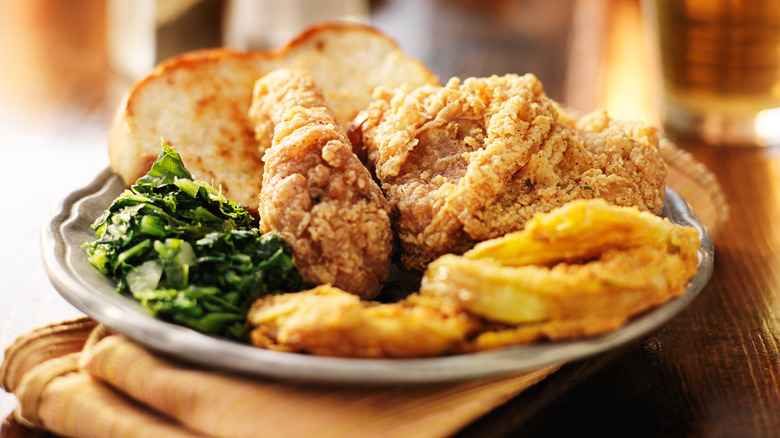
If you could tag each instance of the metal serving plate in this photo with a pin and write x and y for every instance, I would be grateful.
(87, 289)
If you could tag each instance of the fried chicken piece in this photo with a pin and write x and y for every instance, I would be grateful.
(472, 161)
(327, 321)
(316, 194)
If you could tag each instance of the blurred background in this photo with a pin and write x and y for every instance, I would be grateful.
(78, 52)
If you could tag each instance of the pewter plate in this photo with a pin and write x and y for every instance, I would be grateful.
(88, 290)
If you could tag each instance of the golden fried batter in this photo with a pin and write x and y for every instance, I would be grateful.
(329, 322)
(582, 230)
(501, 336)
(316, 194)
(472, 161)
(619, 282)
(575, 275)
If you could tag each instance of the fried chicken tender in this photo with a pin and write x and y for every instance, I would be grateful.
(475, 160)
(316, 194)
(327, 321)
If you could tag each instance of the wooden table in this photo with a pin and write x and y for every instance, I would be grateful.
(714, 370)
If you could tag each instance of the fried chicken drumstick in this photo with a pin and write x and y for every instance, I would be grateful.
(316, 194)
(475, 160)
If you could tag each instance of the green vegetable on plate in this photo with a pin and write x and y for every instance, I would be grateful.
(188, 254)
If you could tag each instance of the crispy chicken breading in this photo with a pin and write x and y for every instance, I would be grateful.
(316, 194)
(475, 160)
(329, 322)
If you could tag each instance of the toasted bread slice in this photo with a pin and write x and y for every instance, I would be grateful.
(198, 102)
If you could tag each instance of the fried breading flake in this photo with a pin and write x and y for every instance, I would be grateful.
(316, 194)
(474, 160)
(327, 321)
(577, 273)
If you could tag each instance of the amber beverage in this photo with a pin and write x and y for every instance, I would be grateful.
(720, 67)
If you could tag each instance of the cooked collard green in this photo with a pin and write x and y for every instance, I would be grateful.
(187, 253)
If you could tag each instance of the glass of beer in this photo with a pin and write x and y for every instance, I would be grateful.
(720, 69)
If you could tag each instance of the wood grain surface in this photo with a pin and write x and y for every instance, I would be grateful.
(713, 371)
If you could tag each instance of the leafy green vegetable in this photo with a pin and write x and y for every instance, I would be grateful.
(187, 253)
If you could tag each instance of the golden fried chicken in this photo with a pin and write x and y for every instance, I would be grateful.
(316, 194)
(327, 321)
(475, 160)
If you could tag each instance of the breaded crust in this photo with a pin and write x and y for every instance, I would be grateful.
(316, 193)
(474, 160)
